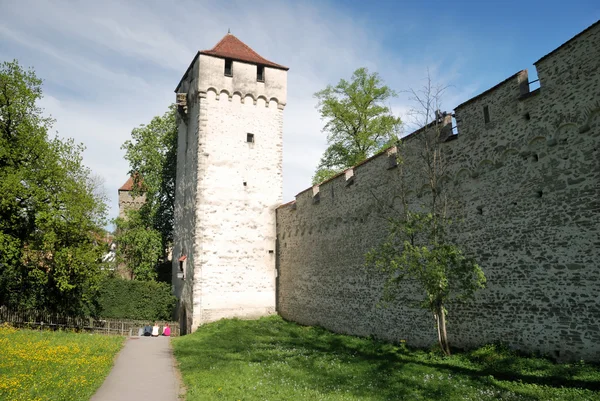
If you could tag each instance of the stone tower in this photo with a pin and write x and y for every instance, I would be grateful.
(229, 182)
(127, 201)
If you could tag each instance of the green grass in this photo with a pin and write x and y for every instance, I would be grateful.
(270, 359)
(47, 366)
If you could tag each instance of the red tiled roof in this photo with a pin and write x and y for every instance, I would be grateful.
(233, 48)
(128, 186)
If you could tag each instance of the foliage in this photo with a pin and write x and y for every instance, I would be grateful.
(276, 360)
(139, 300)
(51, 211)
(139, 247)
(164, 272)
(152, 157)
(417, 247)
(323, 174)
(53, 365)
(358, 124)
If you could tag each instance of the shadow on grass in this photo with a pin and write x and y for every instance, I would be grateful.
(500, 363)
(371, 369)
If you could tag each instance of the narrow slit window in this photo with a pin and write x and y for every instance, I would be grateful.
(228, 67)
(182, 267)
(250, 138)
(486, 114)
(260, 73)
(392, 161)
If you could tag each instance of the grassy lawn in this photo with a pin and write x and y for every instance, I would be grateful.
(270, 359)
(45, 365)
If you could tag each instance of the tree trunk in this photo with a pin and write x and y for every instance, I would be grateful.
(442, 329)
(440, 320)
(437, 326)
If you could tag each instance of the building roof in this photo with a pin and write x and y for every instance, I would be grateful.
(233, 48)
(128, 186)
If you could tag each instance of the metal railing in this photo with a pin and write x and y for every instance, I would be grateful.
(42, 320)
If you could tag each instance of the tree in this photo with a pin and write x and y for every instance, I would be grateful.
(139, 247)
(152, 157)
(49, 213)
(418, 247)
(358, 124)
(147, 234)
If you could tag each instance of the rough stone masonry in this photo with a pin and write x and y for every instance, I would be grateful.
(525, 172)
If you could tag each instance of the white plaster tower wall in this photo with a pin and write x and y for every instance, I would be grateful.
(188, 119)
(239, 187)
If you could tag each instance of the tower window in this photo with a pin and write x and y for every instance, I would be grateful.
(182, 267)
(486, 114)
(250, 138)
(260, 73)
(228, 67)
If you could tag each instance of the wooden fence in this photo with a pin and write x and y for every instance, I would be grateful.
(53, 321)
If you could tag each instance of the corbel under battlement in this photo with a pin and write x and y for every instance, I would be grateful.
(244, 97)
(181, 102)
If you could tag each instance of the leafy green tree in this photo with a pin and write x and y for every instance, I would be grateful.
(418, 247)
(417, 250)
(152, 157)
(50, 212)
(139, 247)
(358, 124)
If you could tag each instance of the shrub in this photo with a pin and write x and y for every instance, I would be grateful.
(131, 299)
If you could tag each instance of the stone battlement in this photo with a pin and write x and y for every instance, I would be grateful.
(510, 105)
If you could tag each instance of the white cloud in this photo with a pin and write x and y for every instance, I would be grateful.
(90, 127)
(112, 65)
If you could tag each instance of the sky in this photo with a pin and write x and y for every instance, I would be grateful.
(109, 66)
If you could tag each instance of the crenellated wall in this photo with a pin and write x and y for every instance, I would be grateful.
(525, 188)
(129, 202)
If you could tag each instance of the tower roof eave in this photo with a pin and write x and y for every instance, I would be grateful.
(231, 47)
(128, 186)
(236, 57)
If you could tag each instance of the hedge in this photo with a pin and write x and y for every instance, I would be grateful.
(131, 299)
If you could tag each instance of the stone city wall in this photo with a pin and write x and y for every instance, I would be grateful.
(524, 185)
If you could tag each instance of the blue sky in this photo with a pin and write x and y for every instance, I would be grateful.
(109, 66)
